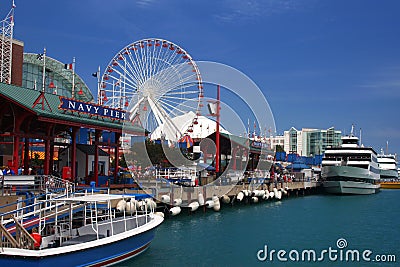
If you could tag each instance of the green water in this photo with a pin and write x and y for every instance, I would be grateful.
(233, 236)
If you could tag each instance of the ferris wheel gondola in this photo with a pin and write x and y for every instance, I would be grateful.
(154, 80)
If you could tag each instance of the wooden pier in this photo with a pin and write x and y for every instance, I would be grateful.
(189, 194)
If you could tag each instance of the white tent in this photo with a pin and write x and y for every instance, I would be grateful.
(202, 129)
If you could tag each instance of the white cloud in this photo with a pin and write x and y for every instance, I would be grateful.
(235, 10)
(145, 3)
(384, 82)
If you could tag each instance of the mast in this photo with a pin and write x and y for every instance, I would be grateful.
(387, 147)
(73, 77)
(98, 85)
(44, 70)
(7, 32)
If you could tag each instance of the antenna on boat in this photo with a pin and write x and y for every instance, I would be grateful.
(387, 147)
(352, 130)
(361, 144)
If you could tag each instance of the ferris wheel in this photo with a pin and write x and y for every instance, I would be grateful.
(154, 80)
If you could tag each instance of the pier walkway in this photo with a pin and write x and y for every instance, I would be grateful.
(187, 194)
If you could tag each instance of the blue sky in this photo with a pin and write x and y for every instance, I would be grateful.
(319, 63)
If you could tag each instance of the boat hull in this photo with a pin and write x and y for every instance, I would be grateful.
(390, 185)
(102, 252)
(389, 174)
(350, 188)
(349, 180)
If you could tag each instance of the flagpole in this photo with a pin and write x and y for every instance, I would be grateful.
(44, 70)
(73, 77)
(217, 134)
(98, 85)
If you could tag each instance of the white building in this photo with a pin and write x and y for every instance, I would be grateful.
(274, 141)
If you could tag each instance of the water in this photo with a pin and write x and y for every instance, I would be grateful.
(233, 236)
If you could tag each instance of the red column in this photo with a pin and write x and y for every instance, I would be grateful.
(15, 159)
(26, 156)
(116, 155)
(17, 127)
(97, 134)
(47, 157)
(73, 153)
(51, 160)
(233, 157)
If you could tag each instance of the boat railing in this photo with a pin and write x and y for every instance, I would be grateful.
(22, 238)
(37, 213)
(111, 222)
(62, 232)
(176, 175)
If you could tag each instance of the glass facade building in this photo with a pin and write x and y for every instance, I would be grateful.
(310, 142)
(58, 79)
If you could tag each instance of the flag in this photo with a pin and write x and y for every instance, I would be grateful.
(94, 74)
(68, 66)
(39, 56)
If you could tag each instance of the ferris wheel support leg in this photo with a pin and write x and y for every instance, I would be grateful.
(170, 129)
(133, 111)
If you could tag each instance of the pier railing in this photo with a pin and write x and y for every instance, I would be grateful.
(36, 183)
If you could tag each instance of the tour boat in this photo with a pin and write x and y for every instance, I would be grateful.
(95, 233)
(350, 168)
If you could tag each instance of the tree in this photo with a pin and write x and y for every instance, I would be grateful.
(279, 148)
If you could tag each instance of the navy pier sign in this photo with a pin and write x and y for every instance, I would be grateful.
(91, 108)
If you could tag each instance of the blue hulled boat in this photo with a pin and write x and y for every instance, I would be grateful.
(101, 233)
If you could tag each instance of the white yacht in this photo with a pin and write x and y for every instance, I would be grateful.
(388, 166)
(350, 168)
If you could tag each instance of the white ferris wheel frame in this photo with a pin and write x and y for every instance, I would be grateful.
(153, 73)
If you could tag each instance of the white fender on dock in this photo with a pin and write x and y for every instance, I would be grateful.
(131, 205)
(254, 199)
(279, 195)
(225, 199)
(165, 199)
(284, 192)
(240, 196)
(271, 195)
(194, 205)
(266, 196)
(175, 211)
(201, 199)
(177, 201)
(217, 204)
(246, 192)
(276, 193)
(209, 203)
(121, 205)
(151, 205)
(258, 193)
(141, 205)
